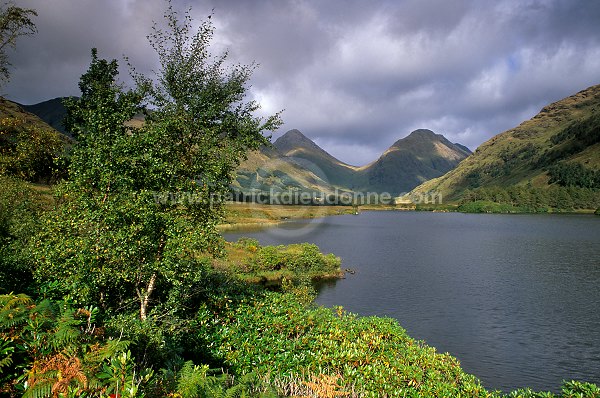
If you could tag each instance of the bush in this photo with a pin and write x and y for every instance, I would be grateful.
(374, 357)
(269, 258)
(484, 206)
(569, 389)
(31, 153)
(20, 207)
(301, 260)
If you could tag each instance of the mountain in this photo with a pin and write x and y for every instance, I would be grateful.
(410, 161)
(558, 146)
(52, 112)
(26, 120)
(267, 171)
(310, 156)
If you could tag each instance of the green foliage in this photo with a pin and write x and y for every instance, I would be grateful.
(130, 244)
(483, 206)
(528, 199)
(578, 389)
(574, 175)
(14, 23)
(280, 337)
(192, 379)
(20, 207)
(49, 348)
(198, 381)
(113, 239)
(301, 288)
(118, 374)
(301, 261)
(570, 389)
(574, 138)
(30, 152)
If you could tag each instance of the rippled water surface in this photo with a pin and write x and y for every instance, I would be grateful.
(515, 297)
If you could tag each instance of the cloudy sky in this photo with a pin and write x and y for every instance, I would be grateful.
(353, 75)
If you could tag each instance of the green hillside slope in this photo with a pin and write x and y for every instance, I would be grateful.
(559, 147)
(267, 171)
(52, 112)
(311, 157)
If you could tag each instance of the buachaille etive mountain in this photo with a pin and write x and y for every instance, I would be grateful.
(408, 162)
(558, 146)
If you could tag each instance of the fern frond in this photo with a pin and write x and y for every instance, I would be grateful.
(193, 380)
(8, 301)
(13, 310)
(6, 361)
(39, 390)
(108, 350)
(66, 331)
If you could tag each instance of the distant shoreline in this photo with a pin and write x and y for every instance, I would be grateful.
(252, 216)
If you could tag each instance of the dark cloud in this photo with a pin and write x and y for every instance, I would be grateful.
(353, 75)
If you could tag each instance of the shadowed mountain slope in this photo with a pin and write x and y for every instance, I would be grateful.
(412, 160)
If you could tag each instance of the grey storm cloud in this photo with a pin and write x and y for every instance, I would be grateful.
(355, 76)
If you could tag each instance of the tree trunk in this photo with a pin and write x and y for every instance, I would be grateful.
(146, 297)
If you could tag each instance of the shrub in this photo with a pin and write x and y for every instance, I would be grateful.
(20, 207)
(301, 260)
(280, 337)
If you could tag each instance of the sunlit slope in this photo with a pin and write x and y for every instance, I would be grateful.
(565, 132)
(311, 157)
(420, 156)
(267, 171)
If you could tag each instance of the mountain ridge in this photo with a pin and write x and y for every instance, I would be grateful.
(406, 163)
(51, 111)
(409, 161)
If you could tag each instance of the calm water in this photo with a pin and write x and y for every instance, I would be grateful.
(515, 297)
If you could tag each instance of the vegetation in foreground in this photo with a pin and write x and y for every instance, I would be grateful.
(122, 299)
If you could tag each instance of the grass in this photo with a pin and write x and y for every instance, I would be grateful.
(248, 215)
(271, 265)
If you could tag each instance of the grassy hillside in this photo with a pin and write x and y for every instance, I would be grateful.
(268, 171)
(563, 139)
(311, 157)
